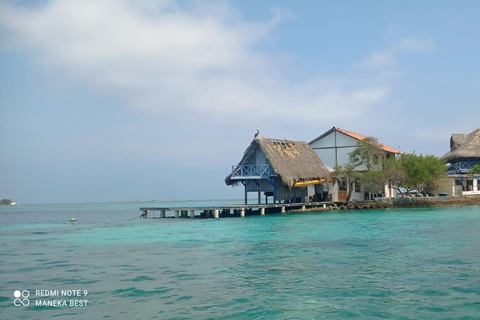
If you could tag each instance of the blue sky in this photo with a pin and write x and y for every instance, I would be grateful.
(124, 100)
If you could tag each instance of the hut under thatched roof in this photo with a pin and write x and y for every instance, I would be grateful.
(464, 147)
(463, 156)
(273, 165)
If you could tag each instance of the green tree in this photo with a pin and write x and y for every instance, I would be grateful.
(405, 173)
(373, 180)
(368, 153)
(6, 202)
(414, 172)
(474, 170)
(348, 172)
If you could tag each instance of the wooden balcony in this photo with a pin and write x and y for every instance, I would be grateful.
(248, 171)
(461, 167)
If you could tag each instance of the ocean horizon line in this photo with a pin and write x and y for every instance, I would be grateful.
(130, 201)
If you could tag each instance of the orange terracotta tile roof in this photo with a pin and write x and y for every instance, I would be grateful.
(361, 137)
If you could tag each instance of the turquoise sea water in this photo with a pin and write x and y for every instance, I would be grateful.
(379, 264)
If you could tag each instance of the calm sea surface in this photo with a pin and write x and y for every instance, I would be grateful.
(382, 264)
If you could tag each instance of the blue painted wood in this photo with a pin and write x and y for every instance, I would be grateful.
(248, 170)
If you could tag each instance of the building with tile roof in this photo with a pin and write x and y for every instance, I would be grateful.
(334, 147)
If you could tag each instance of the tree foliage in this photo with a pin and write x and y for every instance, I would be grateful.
(348, 172)
(475, 170)
(6, 202)
(367, 153)
(405, 173)
(414, 172)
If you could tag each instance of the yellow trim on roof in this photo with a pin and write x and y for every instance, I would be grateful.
(311, 182)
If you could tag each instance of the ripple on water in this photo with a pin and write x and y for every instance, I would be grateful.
(395, 264)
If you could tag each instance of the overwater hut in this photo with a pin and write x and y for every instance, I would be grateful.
(334, 148)
(464, 154)
(288, 171)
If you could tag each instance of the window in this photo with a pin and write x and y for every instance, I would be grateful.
(358, 187)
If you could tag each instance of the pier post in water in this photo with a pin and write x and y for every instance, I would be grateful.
(242, 212)
(216, 214)
(303, 208)
(192, 213)
(262, 211)
(162, 214)
(283, 209)
(176, 213)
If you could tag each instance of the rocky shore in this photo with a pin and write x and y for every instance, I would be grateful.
(402, 203)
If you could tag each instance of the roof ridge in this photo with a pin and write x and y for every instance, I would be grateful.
(359, 136)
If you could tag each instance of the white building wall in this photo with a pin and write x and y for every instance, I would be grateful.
(335, 148)
(345, 141)
(327, 156)
(326, 142)
(343, 155)
(357, 196)
(333, 190)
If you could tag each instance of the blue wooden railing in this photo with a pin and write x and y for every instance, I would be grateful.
(249, 170)
(462, 167)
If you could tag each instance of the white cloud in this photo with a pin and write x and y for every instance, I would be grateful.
(413, 44)
(387, 58)
(380, 59)
(172, 59)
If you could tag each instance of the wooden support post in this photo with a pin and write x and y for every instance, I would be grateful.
(176, 214)
(162, 214)
(242, 212)
(259, 192)
(216, 214)
(274, 190)
(262, 211)
(283, 209)
(246, 193)
(192, 213)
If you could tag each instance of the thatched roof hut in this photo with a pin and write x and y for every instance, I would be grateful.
(291, 161)
(464, 147)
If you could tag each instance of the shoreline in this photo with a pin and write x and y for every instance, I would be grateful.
(386, 203)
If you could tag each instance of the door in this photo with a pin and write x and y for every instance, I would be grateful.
(342, 190)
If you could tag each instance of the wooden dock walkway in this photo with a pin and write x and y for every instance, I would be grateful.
(224, 211)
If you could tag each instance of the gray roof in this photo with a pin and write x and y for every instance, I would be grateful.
(464, 147)
(293, 161)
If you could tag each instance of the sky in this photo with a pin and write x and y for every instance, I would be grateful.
(118, 100)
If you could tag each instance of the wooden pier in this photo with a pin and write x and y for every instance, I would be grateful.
(225, 211)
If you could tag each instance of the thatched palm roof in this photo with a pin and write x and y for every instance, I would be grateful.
(293, 161)
(464, 147)
(457, 140)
